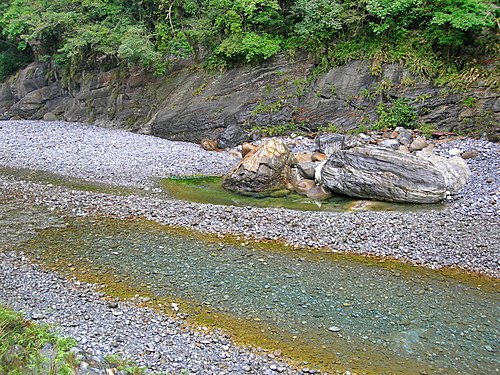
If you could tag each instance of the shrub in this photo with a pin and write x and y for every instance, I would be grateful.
(249, 47)
(9, 63)
(28, 339)
(400, 113)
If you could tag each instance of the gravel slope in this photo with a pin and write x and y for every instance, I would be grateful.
(105, 155)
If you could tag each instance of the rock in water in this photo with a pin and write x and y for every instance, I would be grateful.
(319, 193)
(262, 171)
(382, 174)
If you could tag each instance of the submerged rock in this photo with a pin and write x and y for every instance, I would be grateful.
(303, 186)
(382, 174)
(319, 193)
(262, 171)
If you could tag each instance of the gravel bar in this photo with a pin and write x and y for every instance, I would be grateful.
(103, 155)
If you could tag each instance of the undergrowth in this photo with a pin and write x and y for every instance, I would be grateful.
(22, 344)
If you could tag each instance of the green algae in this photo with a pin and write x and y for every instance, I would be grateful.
(208, 189)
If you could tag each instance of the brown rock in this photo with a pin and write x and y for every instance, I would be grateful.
(443, 134)
(470, 154)
(318, 156)
(319, 193)
(302, 157)
(246, 148)
(208, 144)
(418, 144)
(236, 154)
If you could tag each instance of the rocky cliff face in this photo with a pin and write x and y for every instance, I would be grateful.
(190, 104)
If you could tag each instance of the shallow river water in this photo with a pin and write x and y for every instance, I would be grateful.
(338, 312)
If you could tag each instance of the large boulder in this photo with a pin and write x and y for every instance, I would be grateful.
(261, 171)
(383, 174)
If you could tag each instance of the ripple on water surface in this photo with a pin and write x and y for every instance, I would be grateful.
(358, 315)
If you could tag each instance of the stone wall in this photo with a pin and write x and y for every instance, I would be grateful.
(191, 104)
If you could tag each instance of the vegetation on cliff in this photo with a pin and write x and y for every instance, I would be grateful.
(434, 38)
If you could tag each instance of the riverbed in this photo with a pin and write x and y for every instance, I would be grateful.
(296, 282)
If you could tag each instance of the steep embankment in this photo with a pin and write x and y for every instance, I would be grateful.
(277, 96)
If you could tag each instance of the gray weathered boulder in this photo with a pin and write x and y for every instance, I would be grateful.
(382, 174)
(328, 143)
(262, 171)
(307, 169)
(405, 136)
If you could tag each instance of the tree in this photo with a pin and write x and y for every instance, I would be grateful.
(317, 20)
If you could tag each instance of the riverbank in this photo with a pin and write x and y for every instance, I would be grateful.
(103, 327)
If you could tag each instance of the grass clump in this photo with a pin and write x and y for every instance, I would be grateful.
(29, 348)
(127, 366)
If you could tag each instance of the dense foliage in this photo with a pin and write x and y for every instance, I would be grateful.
(79, 34)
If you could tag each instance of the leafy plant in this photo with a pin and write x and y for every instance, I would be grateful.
(427, 129)
(317, 20)
(124, 365)
(263, 107)
(440, 40)
(21, 343)
(275, 130)
(470, 101)
(330, 128)
(399, 113)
